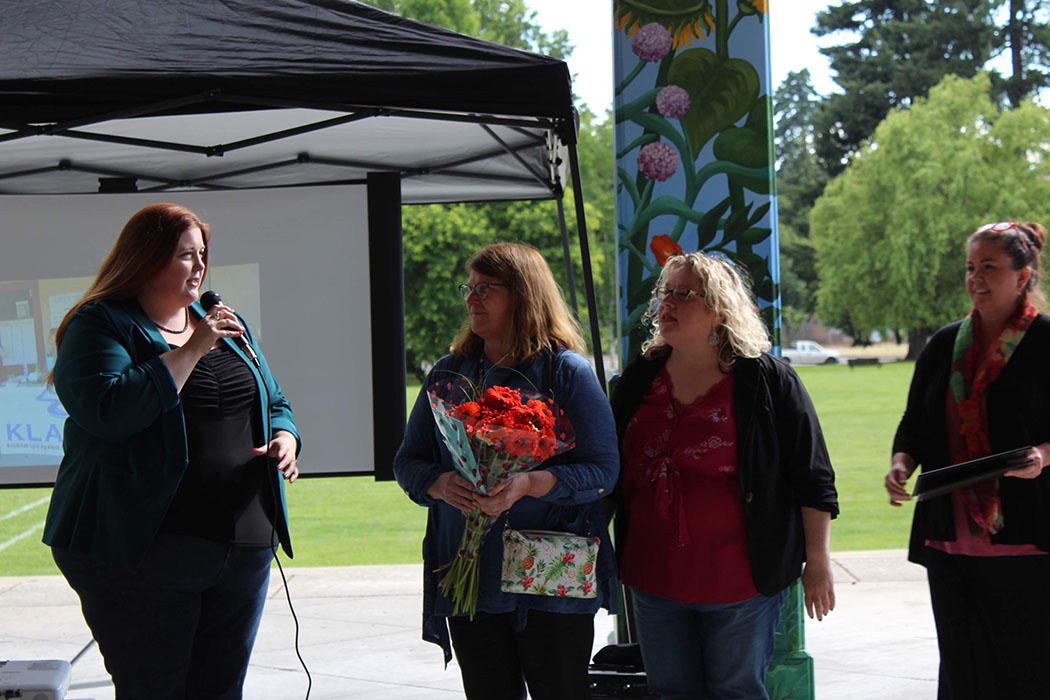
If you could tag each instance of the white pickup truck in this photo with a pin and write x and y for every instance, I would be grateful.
(809, 352)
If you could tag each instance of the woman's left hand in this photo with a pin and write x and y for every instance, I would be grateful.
(819, 586)
(282, 448)
(1040, 456)
(506, 493)
(503, 495)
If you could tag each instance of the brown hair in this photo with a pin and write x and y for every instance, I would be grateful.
(540, 319)
(727, 292)
(143, 248)
(1023, 243)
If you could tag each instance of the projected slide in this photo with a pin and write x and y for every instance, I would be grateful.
(294, 263)
(31, 417)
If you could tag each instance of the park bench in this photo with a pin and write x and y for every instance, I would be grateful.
(861, 361)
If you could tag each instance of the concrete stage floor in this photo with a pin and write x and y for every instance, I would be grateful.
(360, 634)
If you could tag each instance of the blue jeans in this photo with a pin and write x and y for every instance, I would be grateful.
(182, 626)
(712, 652)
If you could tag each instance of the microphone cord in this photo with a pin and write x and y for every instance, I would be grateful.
(274, 542)
(284, 579)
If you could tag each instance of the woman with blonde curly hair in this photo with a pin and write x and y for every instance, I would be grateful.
(727, 487)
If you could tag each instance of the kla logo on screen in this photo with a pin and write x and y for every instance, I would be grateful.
(33, 438)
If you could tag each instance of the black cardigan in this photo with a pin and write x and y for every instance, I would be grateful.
(783, 462)
(1018, 415)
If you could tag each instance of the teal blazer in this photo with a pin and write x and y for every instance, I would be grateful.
(125, 438)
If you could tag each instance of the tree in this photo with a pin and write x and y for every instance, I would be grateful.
(1025, 34)
(890, 232)
(507, 22)
(800, 180)
(902, 48)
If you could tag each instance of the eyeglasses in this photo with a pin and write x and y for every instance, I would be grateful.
(482, 289)
(677, 293)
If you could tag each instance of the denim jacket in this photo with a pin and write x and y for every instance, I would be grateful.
(586, 475)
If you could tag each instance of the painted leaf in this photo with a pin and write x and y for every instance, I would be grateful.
(707, 229)
(749, 146)
(720, 93)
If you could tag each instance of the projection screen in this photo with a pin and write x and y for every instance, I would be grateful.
(294, 263)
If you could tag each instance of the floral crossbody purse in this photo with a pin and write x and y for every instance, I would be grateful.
(560, 564)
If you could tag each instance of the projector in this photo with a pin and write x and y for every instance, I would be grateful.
(34, 680)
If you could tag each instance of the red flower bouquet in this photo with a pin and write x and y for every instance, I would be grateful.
(496, 434)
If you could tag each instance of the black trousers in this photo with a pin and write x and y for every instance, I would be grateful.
(993, 625)
(551, 654)
(180, 628)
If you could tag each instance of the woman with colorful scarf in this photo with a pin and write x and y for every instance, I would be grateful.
(982, 386)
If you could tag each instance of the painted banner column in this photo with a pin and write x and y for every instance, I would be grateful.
(694, 150)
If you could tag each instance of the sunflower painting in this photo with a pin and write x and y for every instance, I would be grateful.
(694, 145)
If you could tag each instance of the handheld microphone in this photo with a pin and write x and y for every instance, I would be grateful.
(210, 299)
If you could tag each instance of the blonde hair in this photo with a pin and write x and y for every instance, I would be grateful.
(727, 292)
(539, 317)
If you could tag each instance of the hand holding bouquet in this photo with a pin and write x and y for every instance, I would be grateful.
(502, 432)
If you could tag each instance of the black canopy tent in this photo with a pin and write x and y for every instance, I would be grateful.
(175, 96)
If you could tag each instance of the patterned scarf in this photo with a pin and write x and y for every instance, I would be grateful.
(969, 381)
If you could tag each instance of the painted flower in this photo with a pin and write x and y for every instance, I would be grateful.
(526, 582)
(663, 248)
(652, 42)
(687, 21)
(658, 161)
(673, 102)
(588, 586)
(563, 591)
(752, 7)
(569, 556)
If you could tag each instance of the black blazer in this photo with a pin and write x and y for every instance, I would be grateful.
(1018, 415)
(783, 461)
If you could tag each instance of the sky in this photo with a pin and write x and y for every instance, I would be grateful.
(589, 23)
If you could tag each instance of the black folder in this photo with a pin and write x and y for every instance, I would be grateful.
(965, 474)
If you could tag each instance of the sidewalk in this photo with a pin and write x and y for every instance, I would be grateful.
(360, 634)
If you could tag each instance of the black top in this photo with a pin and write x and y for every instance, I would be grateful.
(783, 461)
(224, 495)
(1018, 414)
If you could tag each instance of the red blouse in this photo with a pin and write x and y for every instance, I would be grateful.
(687, 539)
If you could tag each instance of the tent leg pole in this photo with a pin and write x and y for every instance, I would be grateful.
(387, 299)
(588, 276)
(570, 274)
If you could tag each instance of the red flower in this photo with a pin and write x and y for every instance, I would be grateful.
(501, 398)
(588, 586)
(562, 591)
(569, 556)
(470, 408)
(526, 582)
(664, 247)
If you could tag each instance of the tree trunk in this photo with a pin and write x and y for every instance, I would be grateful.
(916, 342)
(1015, 87)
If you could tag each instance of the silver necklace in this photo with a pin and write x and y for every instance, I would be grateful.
(185, 324)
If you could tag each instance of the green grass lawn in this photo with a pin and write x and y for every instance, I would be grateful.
(354, 520)
(859, 411)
